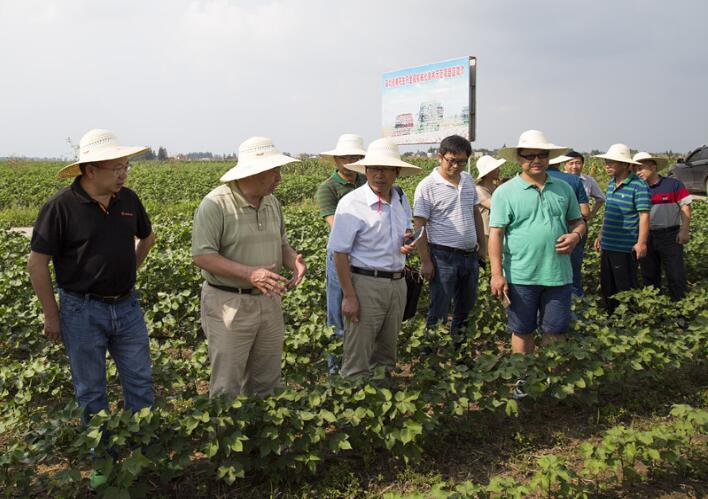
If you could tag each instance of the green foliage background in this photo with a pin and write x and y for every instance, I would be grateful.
(317, 418)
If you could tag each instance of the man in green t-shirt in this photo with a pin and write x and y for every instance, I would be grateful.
(535, 223)
(350, 148)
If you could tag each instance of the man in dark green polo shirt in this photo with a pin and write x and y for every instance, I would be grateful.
(350, 148)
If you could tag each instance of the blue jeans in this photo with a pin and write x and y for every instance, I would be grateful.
(576, 260)
(454, 282)
(89, 328)
(334, 306)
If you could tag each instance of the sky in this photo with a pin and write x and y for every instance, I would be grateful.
(204, 75)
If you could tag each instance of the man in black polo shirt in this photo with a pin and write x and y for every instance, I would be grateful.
(89, 231)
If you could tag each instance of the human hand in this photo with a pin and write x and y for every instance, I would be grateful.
(350, 308)
(567, 242)
(499, 286)
(640, 250)
(300, 269)
(427, 269)
(683, 237)
(267, 281)
(51, 327)
(596, 244)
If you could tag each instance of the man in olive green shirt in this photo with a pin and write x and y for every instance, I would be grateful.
(239, 242)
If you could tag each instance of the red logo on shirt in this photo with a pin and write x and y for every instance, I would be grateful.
(126, 214)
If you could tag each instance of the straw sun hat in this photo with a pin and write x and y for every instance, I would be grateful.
(256, 155)
(487, 164)
(660, 162)
(383, 152)
(99, 145)
(348, 144)
(618, 152)
(532, 139)
(560, 159)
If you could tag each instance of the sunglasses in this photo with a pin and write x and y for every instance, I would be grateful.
(532, 156)
(456, 162)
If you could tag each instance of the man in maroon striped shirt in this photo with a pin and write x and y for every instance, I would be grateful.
(668, 226)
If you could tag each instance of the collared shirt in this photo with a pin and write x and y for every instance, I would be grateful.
(573, 180)
(667, 196)
(227, 224)
(92, 247)
(370, 230)
(333, 189)
(533, 219)
(592, 188)
(449, 210)
(620, 228)
(484, 194)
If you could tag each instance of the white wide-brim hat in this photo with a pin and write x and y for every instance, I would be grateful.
(349, 144)
(560, 159)
(487, 164)
(383, 152)
(660, 162)
(256, 155)
(618, 152)
(532, 139)
(99, 145)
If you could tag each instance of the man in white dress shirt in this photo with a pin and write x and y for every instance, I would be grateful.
(367, 239)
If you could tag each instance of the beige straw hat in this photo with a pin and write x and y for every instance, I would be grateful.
(256, 155)
(532, 139)
(560, 159)
(618, 152)
(99, 145)
(383, 152)
(487, 164)
(660, 162)
(348, 144)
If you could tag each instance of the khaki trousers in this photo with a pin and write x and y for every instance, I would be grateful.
(245, 338)
(371, 342)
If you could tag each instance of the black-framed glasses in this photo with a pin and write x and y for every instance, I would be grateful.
(532, 156)
(117, 171)
(456, 162)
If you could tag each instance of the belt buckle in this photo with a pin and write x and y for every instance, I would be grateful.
(396, 275)
(376, 273)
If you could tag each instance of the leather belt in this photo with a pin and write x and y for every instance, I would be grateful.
(452, 250)
(110, 299)
(665, 229)
(378, 273)
(240, 291)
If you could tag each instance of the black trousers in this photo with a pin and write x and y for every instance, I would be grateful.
(664, 252)
(618, 272)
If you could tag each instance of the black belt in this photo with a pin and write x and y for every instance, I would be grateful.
(452, 250)
(378, 273)
(665, 229)
(240, 291)
(111, 299)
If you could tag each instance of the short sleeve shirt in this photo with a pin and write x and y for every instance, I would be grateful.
(484, 194)
(574, 181)
(667, 196)
(449, 210)
(533, 219)
(620, 228)
(333, 189)
(92, 247)
(227, 224)
(370, 230)
(592, 188)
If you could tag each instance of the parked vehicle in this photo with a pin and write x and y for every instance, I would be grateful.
(693, 171)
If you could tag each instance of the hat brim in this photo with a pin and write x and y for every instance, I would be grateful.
(559, 160)
(343, 152)
(74, 169)
(617, 158)
(489, 169)
(243, 169)
(407, 169)
(660, 162)
(554, 151)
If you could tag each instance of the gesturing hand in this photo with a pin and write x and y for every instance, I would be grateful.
(300, 269)
(267, 281)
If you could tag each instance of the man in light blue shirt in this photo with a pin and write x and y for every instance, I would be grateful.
(367, 239)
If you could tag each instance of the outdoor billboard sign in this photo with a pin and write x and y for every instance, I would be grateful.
(425, 104)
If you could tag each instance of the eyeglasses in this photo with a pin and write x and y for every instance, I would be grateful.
(456, 162)
(532, 156)
(117, 171)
